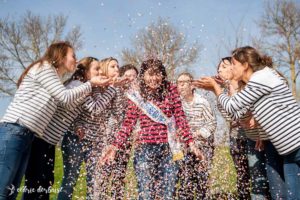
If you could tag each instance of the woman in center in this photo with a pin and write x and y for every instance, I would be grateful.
(157, 102)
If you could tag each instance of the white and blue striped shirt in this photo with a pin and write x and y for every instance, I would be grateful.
(274, 108)
(38, 96)
(63, 118)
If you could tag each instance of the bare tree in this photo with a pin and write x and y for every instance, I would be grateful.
(280, 25)
(24, 41)
(163, 41)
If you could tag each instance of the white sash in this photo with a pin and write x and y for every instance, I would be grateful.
(154, 113)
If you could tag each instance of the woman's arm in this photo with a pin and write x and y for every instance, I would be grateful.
(235, 105)
(50, 81)
(95, 104)
(128, 124)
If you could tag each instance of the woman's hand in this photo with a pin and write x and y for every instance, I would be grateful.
(100, 81)
(203, 162)
(259, 145)
(118, 81)
(248, 123)
(108, 155)
(208, 83)
(80, 132)
(196, 152)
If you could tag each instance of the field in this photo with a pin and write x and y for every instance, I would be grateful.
(222, 177)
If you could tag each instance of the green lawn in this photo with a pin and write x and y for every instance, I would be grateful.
(222, 178)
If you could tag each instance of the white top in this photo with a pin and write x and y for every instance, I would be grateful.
(200, 117)
(38, 96)
(274, 108)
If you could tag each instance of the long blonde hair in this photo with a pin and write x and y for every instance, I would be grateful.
(104, 63)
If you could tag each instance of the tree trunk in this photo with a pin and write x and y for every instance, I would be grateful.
(293, 79)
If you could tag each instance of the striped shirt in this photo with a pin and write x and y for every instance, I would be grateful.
(231, 124)
(253, 133)
(256, 133)
(150, 131)
(201, 120)
(274, 108)
(63, 118)
(93, 121)
(38, 96)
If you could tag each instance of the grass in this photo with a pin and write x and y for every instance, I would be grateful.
(222, 178)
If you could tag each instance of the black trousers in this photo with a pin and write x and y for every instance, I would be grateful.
(39, 175)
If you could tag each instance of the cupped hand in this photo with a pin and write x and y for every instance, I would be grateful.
(100, 81)
(207, 83)
(119, 81)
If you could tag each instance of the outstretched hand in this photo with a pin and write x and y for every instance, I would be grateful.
(207, 83)
(118, 81)
(100, 81)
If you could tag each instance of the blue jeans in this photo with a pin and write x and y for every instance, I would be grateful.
(274, 166)
(238, 151)
(15, 145)
(193, 182)
(155, 171)
(39, 177)
(258, 174)
(74, 153)
(72, 160)
(292, 174)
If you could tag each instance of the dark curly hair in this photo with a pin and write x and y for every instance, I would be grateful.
(157, 67)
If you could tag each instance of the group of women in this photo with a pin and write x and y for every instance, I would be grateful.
(102, 111)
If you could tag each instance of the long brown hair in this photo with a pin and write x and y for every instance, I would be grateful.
(156, 66)
(54, 55)
(255, 59)
(82, 69)
(250, 55)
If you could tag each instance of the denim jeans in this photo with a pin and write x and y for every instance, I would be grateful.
(274, 166)
(156, 172)
(292, 175)
(109, 180)
(39, 178)
(258, 174)
(238, 151)
(15, 145)
(72, 160)
(193, 181)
